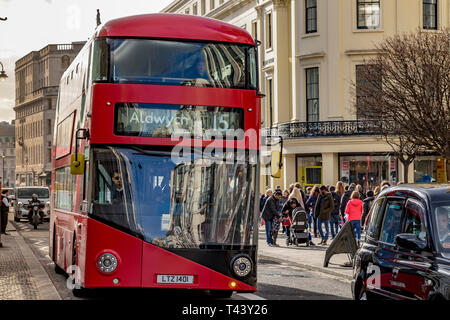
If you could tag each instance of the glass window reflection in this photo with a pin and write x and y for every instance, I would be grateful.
(193, 203)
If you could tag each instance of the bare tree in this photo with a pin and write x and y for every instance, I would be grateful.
(408, 86)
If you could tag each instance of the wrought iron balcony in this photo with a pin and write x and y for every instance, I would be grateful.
(329, 129)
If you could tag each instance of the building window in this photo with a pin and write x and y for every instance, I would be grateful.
(430, 14)
(65, 62)
(255, 29)
(212, 4)
(269, 30)
(368, 13)
(203, 7)
(311, 16)
(269, 102)
(364, 88)
(312, 94)
(194, 9)
(186, 11)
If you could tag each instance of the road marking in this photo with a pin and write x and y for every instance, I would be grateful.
(250, 296)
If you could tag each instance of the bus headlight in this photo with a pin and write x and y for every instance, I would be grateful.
(47, 204)
(20, 204)
(107, 262)
(241, 265)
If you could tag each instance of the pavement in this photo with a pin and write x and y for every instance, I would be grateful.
(310, 258)
(22, 276)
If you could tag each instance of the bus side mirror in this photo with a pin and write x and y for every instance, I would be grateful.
(276, 164)
(77, 164)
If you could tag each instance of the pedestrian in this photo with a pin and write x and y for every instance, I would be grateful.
(287, 210)
(275, 229)
(298, 196)
(346, 198)
(269, 212)
(307, 193)
(264, 198)
(367, 204)
(284, 198)
(310, 206)
(322, 211)
(359, 188)
(335, 214)
(346, 187)
(281, 203)
(4, 211)
(340, 190)
(354, 210)
(376, 191)
(299, 186)
(384, 185)
(291, 187)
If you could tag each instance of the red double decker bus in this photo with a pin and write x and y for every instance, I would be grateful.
(156, 172)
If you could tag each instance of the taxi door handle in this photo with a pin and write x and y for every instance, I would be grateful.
(394, 273)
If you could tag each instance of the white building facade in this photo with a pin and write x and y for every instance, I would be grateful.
(309, 55)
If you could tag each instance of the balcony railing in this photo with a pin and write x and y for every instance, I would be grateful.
(329, 129)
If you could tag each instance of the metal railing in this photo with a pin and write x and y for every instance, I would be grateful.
(329, 129)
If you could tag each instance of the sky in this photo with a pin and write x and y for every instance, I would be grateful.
(33, 24)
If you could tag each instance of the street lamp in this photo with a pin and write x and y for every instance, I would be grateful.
(3, 75)
(3, 168)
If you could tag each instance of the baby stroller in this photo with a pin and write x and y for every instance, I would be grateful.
(298, 231)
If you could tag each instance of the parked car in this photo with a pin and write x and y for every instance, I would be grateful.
(406, 254)
(23, 195)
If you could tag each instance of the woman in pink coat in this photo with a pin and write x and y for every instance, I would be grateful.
(354, 211)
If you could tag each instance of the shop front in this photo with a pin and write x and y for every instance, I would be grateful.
(429, 168)
(368, 170)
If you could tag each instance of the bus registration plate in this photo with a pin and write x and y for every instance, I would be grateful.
(170, 278)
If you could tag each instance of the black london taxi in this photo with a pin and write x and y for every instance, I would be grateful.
(406, 254)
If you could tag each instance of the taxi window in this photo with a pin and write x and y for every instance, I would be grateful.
(414, 219)
(375, 214)
(442, 220)
(392, 224)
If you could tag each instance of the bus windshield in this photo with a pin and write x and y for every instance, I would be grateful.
(184, 203)
(179, 63)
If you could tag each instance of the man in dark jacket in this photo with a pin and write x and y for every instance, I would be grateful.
(334, 219)
(4, 211)
(269, 213)
(263, 199)
(324, 207)
(346, 198)
(367, 204)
